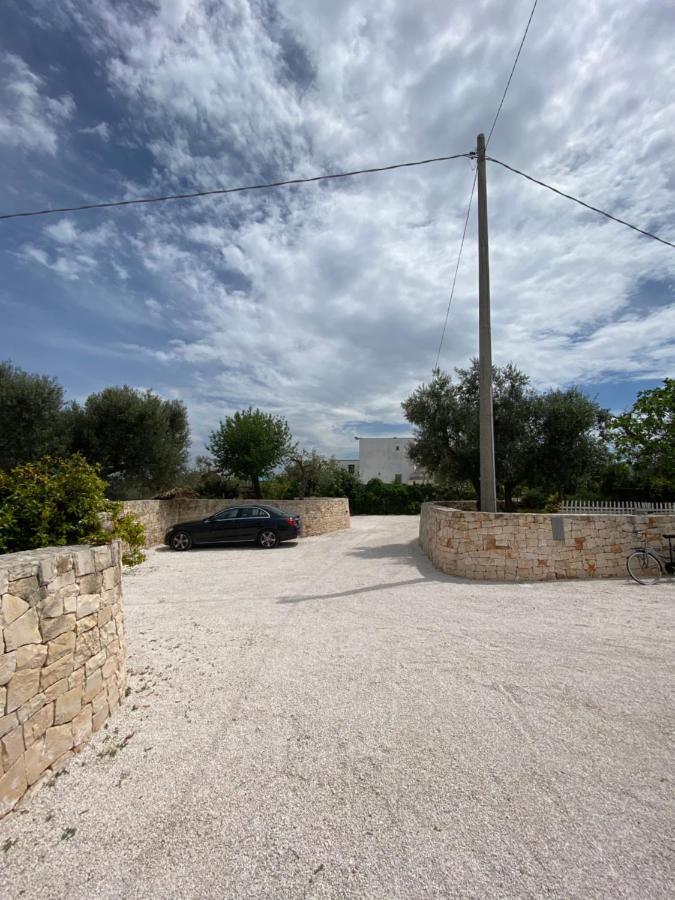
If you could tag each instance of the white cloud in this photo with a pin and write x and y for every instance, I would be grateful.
(326, 303)
(29, 118)
(102, 130)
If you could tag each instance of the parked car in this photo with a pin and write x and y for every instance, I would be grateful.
(265, 525)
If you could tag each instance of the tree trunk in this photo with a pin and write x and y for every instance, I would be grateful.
(256, 487)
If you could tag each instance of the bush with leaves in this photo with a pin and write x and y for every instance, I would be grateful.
(57, 502)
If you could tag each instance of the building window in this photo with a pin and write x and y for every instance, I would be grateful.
(397, 447)
(350, 468)
(398, 479)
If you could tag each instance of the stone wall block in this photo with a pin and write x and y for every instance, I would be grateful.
(52, 628)
(95, 662)
(26, 588)
(83, 561)
(88, 604)
(52, 606)
(31, 656)
(31, 707)
(63, 645)
(12, 608)
(87, 623)
(77, 679)
(68, 706)
(37, 725)
(7, 667)
(13, 785)
(100, 710)
(87, 646)
(7, 723)
(57, 671)
(24, 630)
(82, 726)
(102, 558)
(22, 686)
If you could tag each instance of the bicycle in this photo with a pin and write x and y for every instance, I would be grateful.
(646, 566)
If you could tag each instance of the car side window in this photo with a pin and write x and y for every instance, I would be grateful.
(252, 512)
(227, 514)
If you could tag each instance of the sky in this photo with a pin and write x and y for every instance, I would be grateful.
(325, 303)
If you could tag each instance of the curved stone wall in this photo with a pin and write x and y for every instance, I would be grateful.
(535, 547)
(319, 515)
(62, 658)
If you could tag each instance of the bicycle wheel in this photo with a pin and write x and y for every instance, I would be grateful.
(643, 567)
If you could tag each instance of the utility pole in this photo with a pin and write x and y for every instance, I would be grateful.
(488, 487)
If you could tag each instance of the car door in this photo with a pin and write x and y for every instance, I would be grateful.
(222, 527)
(251, 519)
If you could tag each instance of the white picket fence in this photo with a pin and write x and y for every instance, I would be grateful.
(618, 507)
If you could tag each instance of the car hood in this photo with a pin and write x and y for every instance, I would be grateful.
(185, 524)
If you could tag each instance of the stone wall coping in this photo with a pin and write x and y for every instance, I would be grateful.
(530, 516)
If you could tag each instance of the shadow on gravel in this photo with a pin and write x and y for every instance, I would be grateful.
(210, 548)
(406, 554)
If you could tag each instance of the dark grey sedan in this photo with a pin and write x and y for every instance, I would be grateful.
(266, 526)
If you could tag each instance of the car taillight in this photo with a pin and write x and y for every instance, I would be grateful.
(292, 520)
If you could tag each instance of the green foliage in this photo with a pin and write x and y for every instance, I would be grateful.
(379, 499)
(208, 482)
(250, 444)
(32, 416)
(645, 439)
(56, 502)
(542, 440)
(139, 440)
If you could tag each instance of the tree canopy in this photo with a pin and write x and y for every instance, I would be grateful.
(548, 439)
(139, 440)
(645, 438)
(32, 421)
(250, 444)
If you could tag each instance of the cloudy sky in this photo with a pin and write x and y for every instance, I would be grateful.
(326, 303)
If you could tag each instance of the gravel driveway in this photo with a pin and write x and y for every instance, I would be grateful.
(337, 719)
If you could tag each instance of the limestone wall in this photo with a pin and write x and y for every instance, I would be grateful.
(62, 658)
(535, 547)
(319, 515)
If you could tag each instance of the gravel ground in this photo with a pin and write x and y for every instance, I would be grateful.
(337, 719)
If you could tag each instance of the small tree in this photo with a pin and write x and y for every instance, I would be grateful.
(55, 502)
(32, 419)
(250, 444)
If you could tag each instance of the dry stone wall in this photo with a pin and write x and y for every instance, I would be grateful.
(535, 547)
(62, 658)
(319, 515)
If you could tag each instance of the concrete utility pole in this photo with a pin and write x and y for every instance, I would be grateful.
(488, 487)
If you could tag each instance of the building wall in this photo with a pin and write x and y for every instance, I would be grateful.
(62, 669)
(535, 547)
(319, 515)
(385, 458)
(351, 465)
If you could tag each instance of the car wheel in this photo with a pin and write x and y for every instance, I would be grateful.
(181, 541)
(268, 539)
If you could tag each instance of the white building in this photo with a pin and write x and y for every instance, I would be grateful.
(387, 458)
(351, 465)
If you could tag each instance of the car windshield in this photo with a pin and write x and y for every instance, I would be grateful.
(277, 512)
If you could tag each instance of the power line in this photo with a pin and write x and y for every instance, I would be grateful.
(473, 186)
(232, 190)
(513, 69)
(582, 202)
(454, 278)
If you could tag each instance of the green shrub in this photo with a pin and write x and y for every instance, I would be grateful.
(379, 499)
(532, 499)
(56, 502)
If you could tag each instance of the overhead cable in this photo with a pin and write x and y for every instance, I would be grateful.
(595, 209)
(232, 190)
